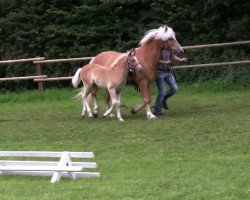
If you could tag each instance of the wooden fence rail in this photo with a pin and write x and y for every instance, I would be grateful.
(53, 79)
(213, 64)
(23, 78)
(21, 60)
(25, 60)
(217, 45)
(62, 60)
(38, 61)
(39, 70)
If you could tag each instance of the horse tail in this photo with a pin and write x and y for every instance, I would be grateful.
(78, 95)
(76, 78)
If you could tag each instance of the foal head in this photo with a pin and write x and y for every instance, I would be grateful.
(133, 62)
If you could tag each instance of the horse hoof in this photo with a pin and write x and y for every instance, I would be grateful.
(151, 116)
(105, 115)
(95, 115)
(120, 119)
(133, 111)
(111, 115)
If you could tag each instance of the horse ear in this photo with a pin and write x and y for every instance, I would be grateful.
(131, 52)
(166, 28)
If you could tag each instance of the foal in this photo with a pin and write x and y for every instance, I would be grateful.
(113, 78)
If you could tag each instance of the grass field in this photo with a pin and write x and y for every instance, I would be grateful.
(200, 149)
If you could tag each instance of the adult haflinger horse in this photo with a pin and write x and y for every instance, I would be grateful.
(148, 55)
(113, 78)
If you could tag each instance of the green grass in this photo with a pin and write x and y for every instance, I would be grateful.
(198, 150)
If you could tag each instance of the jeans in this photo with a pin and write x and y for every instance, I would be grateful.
(161, 79)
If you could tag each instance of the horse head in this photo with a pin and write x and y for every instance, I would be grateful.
(133, 62)
(166, 35)
(170, 41)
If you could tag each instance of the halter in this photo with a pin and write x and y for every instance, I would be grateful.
(132, 68)
(163, 46)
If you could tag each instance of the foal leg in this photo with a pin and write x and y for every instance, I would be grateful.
(112, 93)
(84, 109)
(87, 90)
(92, 97)
(107, 101)
(118, 106)
(96, 106)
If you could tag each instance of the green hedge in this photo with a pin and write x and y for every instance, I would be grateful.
(61, 29)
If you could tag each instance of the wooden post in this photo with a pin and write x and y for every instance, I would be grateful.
(39, 73)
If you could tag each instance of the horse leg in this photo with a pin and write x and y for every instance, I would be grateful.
(107, 100)
(138, 107)
(150, 115)
(145, 91)
(118, 106)
(112, 93)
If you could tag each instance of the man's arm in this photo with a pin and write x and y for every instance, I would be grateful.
(164, 62)
(176, 58)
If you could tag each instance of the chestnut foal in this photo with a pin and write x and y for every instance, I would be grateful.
(112, 78)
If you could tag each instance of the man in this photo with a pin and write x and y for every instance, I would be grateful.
(164, 75)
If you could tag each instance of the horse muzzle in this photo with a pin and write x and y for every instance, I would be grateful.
(178, 51)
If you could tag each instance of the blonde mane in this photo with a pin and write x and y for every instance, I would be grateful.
(118, 59)
(162, 33)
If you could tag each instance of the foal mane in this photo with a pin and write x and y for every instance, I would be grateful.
(117, 60)
(162, 33)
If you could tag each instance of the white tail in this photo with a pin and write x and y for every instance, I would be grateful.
(76, 78)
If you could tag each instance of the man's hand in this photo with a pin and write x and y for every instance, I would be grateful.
(184, 59)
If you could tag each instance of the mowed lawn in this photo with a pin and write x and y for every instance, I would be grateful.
(200, 149)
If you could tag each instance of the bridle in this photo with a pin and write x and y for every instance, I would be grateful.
(132, 67)
(168, 47)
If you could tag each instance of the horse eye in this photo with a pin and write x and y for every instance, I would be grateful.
(170, 39)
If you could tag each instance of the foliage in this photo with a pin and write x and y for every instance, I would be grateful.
(61, 29)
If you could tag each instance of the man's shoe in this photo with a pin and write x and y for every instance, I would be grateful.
(165, 105)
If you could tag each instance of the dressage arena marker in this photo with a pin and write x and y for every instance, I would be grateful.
(65, 167)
